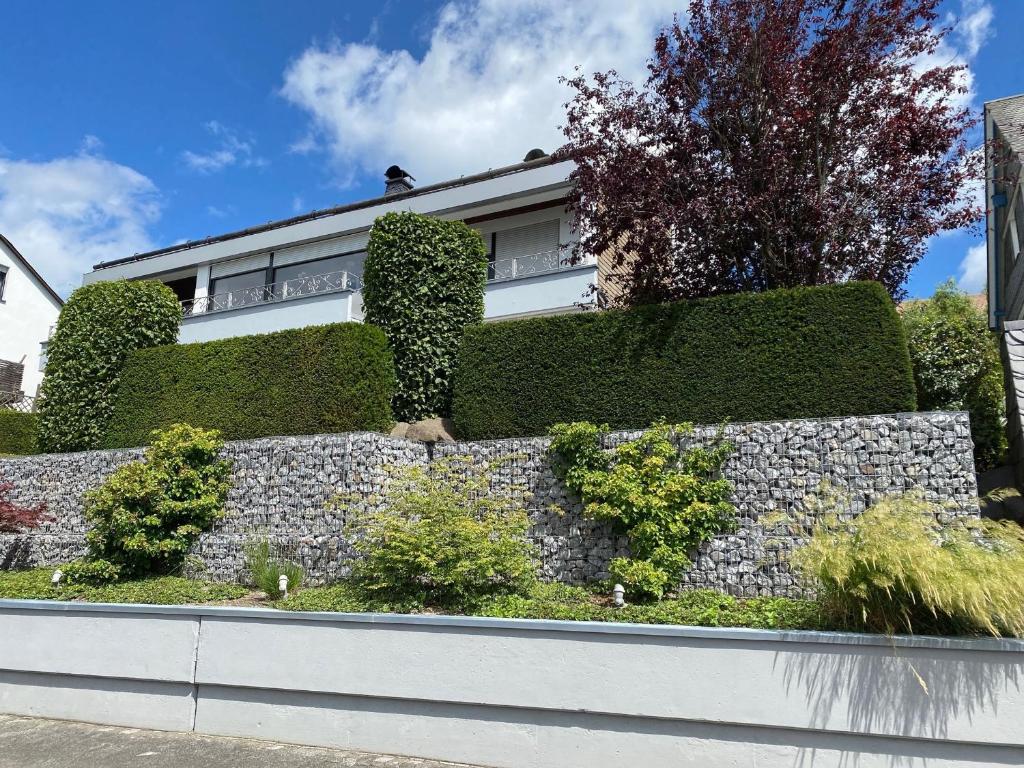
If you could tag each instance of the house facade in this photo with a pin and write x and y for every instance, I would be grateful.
(1004, 225)
(307, 270)
(28, 309)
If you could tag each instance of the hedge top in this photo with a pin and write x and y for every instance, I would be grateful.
(794, 353)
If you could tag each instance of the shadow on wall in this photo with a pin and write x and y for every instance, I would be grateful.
(892, 691)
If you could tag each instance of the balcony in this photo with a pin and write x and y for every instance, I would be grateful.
(518, 267)
(286, 290)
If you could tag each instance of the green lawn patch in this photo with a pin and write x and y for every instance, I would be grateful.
(160, 590)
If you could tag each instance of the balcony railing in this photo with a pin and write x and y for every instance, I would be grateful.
(17, 401)
(329, 282)
(526, 266)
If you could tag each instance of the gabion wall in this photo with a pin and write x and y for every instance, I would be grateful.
(283, 489)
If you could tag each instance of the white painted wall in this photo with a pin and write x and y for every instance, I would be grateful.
(27, 310)
(543, 294)
(522, 694)
(276, 316)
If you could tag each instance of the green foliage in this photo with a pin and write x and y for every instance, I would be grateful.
(98, 328)
(265, 568)
(445, 539)
(17, 433)
(147, 514)
(163, 590)
(668, 501)
(797, 353)
(895, 568)
(423, 281)
(957, 367)
(315, 380)
(567, 603)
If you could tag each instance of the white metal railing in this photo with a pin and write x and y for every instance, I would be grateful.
(311, 285)
(525, 266)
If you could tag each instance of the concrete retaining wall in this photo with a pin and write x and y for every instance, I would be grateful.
(522, 694)
(281, 488)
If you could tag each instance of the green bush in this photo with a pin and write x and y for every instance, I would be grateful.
(445, 539)
(99, 326)
(957, 367)
(265, 568)
(17, 432)
(148, 513)
(895, 568)
(321, 379)
(668, 501)
(424, 281)
(795, 353)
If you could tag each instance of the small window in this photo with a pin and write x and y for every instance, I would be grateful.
(3, 282)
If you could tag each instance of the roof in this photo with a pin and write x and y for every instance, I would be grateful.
(1008, 114)
(32, 270)
(311, 216)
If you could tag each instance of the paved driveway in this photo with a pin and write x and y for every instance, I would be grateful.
(31, 743)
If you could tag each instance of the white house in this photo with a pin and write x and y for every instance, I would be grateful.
(307, 270)
(28, 309)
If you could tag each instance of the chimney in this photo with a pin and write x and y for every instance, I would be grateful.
(397, 181)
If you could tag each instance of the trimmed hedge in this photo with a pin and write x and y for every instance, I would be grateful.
(17, 433)
(321, 379)
(834, 350)
(98, 327)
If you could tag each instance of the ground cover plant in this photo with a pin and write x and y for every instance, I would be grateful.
(35, 584)
(667, 500)
(148, 513)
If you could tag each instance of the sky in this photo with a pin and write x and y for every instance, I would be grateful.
(126, 126)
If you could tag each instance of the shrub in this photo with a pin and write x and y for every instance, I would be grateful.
(17, 432)
(795, 353)
(956, 365)
(424, 281)
(148, 513)
(668, 501)
(15, 518)
(99, 326)
(321, 379)
(445, 539)
(266, 567)
(895, 568)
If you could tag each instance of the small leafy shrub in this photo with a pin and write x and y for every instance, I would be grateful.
(424, 281)
(957, 366)
(831, 350)
(147, 514)
(305, 381)
(444, 540)
(15, 518)
(265, 568)
(895, 568)
(668, 501)
(17, 432)
(98, 328)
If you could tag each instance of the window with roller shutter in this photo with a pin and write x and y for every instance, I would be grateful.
(523, 251)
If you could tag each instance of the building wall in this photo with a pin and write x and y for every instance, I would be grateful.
(283, 489)
(26, 313)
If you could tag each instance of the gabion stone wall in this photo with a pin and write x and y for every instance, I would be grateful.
(283, 488)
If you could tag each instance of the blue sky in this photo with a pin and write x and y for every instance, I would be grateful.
(131, 125)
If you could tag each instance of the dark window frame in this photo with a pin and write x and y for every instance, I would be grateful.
(3, 282)
(215, 280)
(314, 261)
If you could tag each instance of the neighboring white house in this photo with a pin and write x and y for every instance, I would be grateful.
(28, 309)
(307, 270)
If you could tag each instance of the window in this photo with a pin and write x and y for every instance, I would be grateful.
(525, 251)
(3, 282)
(239, 290)
(318, 276)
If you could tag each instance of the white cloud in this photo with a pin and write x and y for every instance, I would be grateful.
(69, 213)
(484, 92)
(974, 269)
(974, 27)
(231, 150)
(971, 29)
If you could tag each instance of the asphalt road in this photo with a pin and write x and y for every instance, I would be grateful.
(33, 743)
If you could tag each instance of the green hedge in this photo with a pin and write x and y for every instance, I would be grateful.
(796, 353)
(321, 379)
(17, 433)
